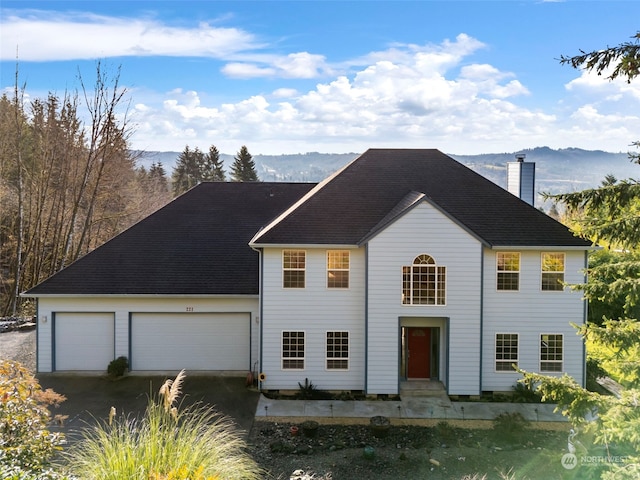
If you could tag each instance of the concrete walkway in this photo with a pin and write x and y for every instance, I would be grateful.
(408, 408)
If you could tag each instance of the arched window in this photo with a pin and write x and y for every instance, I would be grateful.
(424, 282)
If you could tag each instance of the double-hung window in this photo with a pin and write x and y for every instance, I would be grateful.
(424, 282)
(552, 271)
(506, 351)
(508, 270)
(337, 350)
(293, 268)
(551, 352)
(338, 269)
(293, 350)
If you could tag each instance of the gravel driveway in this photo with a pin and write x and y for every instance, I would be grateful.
(19, 346)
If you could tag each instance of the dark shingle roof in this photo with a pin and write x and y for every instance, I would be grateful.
(347, 208)
(197, 244)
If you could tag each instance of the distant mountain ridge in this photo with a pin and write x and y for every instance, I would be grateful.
(557, 171)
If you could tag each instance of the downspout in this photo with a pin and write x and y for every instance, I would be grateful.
(584, 321)
(53, 341)
(130, 335)
(260, 307)
(366, 318)
(481, 316)
(38, 321)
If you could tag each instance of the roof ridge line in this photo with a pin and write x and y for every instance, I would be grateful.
(300, 202)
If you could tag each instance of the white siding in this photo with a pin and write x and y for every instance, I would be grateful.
(315, 310)
(121, 308)
(424, 230)
(530, 312)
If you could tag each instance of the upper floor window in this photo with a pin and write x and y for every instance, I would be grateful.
(293, 268)
(338, 269)
(551, 353)
(508, 270)
(424, 282)
(552, 271)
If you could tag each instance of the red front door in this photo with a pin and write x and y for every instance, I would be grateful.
(418, 352)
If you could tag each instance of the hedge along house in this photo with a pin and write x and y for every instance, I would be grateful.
(403, 265)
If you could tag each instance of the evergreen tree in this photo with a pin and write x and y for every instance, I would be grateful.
(610, 216)
(157, 179)
(244, 168)
(188, 170)
(213, 170)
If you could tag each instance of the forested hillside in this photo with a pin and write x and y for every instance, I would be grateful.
(557, 171)
(67, 184)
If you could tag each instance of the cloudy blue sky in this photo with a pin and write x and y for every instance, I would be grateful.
(465, 77)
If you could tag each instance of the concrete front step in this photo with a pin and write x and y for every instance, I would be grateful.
(422, 388)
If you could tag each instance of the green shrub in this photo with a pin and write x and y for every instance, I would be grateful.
(309, 391)
(510, 427)
(310, 428)
(523, 393)
(306, 391)
(166, 443)
(26, 445)
(118, 367)
(18, 473)
(445, 431)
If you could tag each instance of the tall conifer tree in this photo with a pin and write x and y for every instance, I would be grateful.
(213, 170)
(244, 168)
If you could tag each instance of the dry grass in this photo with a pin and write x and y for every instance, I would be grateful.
(167, 443)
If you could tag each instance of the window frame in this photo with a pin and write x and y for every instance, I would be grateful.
(502, 361)
(554, 361)
(340, 270)
(413, 281)
(299, 334)
(500, 287)
(298, 281)
(544, 286)
(337, 350)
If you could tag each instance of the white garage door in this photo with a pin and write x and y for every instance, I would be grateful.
(193, 341)
(84, 341)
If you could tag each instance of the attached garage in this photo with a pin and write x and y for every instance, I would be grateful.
(193, 341)
(83, 341)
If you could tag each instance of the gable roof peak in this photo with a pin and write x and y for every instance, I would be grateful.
(366, 193)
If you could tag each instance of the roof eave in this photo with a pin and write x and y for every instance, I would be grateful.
(332, 246)
(544, 247)
(137, 295)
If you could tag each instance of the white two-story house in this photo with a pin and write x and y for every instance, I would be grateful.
(403, 265)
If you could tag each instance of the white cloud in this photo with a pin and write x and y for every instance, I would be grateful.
(247, 70)
(409, 96)
(48, 36)
(284, 93)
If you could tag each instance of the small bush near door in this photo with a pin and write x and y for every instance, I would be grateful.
(118, 367)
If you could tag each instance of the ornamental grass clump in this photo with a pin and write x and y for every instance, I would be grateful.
(169, 442)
